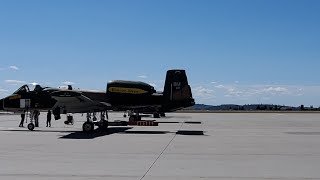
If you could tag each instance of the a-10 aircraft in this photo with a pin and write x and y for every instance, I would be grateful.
(135, 96)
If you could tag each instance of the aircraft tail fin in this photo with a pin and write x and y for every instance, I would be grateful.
(177, 91)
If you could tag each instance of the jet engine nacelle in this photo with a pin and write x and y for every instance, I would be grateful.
(119, 87)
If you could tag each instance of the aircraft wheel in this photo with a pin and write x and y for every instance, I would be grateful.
(156, 115)
(103, 124)
(88, 127)
(31, 126)
(135, 118)
(162, 114)
(132, 118)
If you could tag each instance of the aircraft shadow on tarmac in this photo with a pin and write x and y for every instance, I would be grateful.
(96, 133)
(190, 132)
(123, 130)
(111, 130)
(180, 132)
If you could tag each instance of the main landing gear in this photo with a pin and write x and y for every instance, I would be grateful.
(159, 114)
(156, 115)
(135, 118)
(88, 126)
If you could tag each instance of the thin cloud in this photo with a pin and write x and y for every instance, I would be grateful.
(271, 90)
(220, 86)
(3, 92)
(203, 92)
(14, 68)
(262, 91)
(256, 93)
(10, 81)
(275, 89)
(68, 83)
(233, 92)
(143, 77)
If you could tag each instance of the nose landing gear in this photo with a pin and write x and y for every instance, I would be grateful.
(31, 126)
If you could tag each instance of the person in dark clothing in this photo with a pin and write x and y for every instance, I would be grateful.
(49, 118)
(36, 118)
(23, 115)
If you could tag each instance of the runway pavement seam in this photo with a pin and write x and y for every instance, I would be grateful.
(65, 175)
(161, 152)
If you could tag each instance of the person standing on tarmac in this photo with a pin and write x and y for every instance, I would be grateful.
(23, 115)
(36, 118)
(49, 118)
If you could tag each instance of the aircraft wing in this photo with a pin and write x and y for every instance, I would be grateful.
(76, 102)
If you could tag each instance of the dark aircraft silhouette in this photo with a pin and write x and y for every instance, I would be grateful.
(120, 95)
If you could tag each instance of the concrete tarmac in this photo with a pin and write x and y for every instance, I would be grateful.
(233, 146)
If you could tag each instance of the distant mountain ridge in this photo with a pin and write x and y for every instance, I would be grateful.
(250, 107)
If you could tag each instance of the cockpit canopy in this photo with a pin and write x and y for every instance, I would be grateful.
(22, 90)
(25, 89)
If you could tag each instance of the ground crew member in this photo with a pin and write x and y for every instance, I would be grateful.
(49, 118)
(23, 115)
(36, 118)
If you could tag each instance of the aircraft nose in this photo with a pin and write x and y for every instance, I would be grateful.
(1, 104)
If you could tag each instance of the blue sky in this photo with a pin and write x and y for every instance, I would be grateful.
(243, 52)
